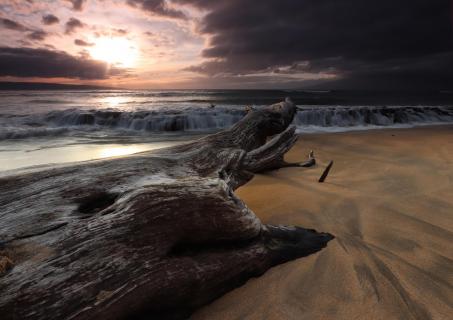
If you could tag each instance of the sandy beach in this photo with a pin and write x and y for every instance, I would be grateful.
(388, 200)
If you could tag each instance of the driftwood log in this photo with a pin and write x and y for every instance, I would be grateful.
(156, 234)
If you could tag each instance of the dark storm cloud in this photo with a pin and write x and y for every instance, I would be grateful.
(72, 25)
(50, 19)
(354, 39)
(157, 7)
(38, 35)
(28, 62)
(77, 5)
(12, 25)
(83, 43)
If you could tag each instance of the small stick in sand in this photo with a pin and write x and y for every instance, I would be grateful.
(326, 172)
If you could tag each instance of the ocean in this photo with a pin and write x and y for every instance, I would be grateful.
(42, 127)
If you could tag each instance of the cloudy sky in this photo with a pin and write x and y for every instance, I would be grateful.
(386, 44)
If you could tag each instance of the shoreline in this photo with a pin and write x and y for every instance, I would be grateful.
(379, 128)
(73, 152)
(387, 201)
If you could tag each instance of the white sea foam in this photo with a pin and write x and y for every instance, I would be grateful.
(113, 113)
(308, 119)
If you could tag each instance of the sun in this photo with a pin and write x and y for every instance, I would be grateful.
(117, 51)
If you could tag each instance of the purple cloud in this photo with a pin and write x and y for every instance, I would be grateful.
(83, 43)
(38, 35)
(49, 19)
(157, 8)
(77, 5)
(12, 25)
(72, 25)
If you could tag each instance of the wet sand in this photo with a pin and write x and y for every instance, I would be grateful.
(21, 154)
(389, 202)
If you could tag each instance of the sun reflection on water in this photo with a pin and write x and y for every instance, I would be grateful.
(114, 101)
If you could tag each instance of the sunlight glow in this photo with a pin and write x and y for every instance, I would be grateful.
(118, 51)
(114, 101)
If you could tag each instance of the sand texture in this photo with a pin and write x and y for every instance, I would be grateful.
(389, 202)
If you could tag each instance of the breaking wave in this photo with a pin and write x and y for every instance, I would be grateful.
(352, 118)
(308, 119)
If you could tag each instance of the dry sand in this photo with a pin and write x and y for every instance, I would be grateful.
(389, 202)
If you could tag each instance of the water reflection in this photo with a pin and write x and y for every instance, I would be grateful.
(20, 154)
(121, 150)
(115, 101)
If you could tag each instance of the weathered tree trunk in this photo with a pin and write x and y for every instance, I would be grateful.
(158, 233)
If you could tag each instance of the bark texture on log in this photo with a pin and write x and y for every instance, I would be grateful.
(158, 233)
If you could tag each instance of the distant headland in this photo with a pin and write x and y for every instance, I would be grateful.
(48, 86)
